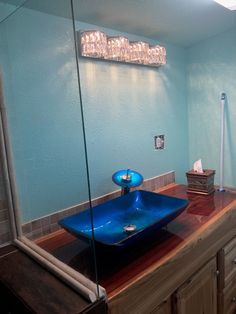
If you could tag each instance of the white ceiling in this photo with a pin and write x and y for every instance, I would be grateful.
(182, 22)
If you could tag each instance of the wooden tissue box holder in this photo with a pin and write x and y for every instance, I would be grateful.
(201, 183)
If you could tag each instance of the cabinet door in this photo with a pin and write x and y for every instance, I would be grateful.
(199, 294)
(163, 308)
(227, 264)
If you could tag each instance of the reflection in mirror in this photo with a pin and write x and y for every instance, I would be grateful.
(123, 108)
(124, 104)
(45, 128)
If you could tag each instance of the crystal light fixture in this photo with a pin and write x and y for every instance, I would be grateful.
(117, 48)
(97, 44)
(157, 55)
(154, 55)
(139, 52)
(93, 44)
(163, 55)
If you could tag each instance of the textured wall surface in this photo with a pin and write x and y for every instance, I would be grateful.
(211, 71)
(6, 9)
(125, 106)
(43, 110)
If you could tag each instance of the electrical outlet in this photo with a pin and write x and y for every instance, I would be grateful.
(159, 141)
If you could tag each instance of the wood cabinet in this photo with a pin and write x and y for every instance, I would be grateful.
(199, 294)
(163, 308)
(193, 265)
(205, 292)
(227, 278)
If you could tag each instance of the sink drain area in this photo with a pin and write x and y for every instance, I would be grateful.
(129, 228)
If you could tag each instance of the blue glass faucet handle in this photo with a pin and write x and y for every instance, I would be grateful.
(127, 178)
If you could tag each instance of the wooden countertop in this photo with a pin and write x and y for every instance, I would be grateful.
(152, 270)
(156, 267)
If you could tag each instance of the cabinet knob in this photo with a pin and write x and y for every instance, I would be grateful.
(234, 261)
(233, 299)
(217, 272)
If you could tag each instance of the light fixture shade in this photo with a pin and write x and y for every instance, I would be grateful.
(154, 55)
(139, 52)
(163, 55)
(117, 48)
(93, 44)
(157, 55)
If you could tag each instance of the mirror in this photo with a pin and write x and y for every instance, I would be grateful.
(45, 126)
(123, 108)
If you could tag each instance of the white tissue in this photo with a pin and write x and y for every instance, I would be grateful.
(197, 166)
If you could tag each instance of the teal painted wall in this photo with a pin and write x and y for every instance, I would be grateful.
(5, 10)
(43, 109)
(125, 106)
(211, 71)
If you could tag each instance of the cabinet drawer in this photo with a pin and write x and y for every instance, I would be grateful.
(227, 263)
(228, 299)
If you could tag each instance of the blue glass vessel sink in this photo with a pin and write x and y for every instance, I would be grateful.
(125, 220)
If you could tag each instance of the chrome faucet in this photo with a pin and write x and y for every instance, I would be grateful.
(126, 178)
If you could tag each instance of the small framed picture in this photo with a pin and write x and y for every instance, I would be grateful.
(159, 141)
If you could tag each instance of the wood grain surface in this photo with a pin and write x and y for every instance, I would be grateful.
(153, 269)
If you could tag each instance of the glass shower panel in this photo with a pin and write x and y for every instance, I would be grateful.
(119, 107)
(43, 113)
(8, 7)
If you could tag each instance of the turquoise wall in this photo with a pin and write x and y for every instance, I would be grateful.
(41, 91)
(125, 106)
(211, 71)
(5, 10)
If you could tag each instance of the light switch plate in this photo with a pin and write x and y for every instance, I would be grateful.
(159, 141)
